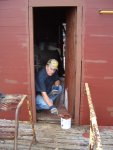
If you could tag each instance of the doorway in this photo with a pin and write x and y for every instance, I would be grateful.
(55, 30)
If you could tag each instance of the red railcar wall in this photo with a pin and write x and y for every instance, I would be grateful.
(97, 52)
(14, 49)
(98, 61)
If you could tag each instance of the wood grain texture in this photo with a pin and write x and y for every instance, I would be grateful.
(14, 47)
(49, 3)
(71, 59)
(52, 137)
(14, 50)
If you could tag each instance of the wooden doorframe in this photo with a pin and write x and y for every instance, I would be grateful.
(31, 57)
(77, 4)
(78, 65)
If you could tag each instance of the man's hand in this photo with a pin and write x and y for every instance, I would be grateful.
(53, 110)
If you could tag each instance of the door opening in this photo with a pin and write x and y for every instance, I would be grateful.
(55, 37)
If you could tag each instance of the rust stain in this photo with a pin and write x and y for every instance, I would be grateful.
(11, 81)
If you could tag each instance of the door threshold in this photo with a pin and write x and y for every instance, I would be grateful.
(46, 116)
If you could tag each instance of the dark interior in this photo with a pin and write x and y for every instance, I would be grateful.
(50, 41)
(50, 35)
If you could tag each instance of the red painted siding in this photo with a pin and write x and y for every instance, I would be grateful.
(97, 53)
(14, 46)
(14, 49)
(98, 61)
(49, 3)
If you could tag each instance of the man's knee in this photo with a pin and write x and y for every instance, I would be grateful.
(40, 103)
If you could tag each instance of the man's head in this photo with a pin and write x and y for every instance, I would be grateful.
(52, 66)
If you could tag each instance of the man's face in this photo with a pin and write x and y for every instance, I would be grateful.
(50, 71)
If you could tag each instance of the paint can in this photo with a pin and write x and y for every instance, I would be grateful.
(66, 122)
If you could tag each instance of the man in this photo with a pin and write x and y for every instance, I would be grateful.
(48, 87)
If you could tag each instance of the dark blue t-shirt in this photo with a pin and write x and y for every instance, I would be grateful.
(44, 82)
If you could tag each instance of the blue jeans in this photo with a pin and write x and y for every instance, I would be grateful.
(41, 104)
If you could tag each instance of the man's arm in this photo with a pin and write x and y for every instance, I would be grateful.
(47, 99)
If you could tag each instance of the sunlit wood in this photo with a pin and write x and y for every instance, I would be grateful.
(95, 139)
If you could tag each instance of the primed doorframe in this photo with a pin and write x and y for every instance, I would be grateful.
(77, 4)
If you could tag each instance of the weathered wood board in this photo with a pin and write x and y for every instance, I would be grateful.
(52, 137)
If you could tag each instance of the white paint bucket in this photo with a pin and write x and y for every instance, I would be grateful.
(66, 122)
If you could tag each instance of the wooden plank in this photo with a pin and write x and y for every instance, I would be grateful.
(14, 30)
(99, 4)
(13, 4)
(97, 59)
(51, 136)
(14, 48)
(70, 70)
(49, 3)
(99, 30)
(31, 62)
(95, 138)
(98, 69)
(100, 19)
(8, 13)
(78, 59)
(98, 39)
(13, 22)
(46, 116)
